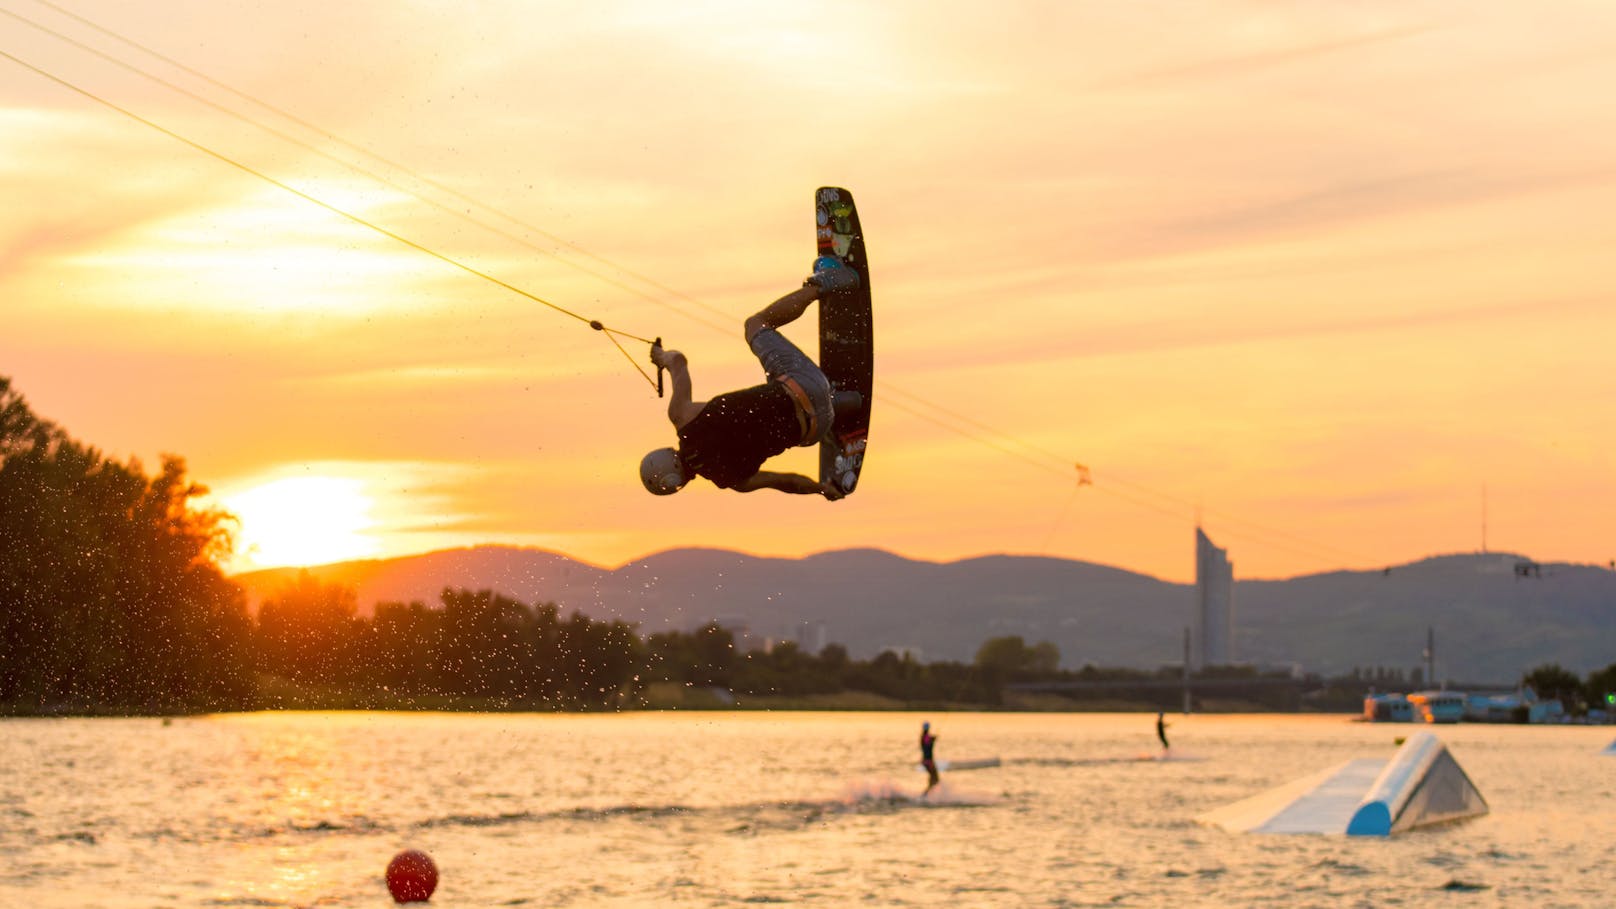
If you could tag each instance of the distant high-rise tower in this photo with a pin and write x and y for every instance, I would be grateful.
(1214, 604)
(812, 637)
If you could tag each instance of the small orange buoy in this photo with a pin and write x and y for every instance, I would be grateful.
(411, 877)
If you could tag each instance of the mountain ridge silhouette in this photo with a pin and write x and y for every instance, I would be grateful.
(1492, 622)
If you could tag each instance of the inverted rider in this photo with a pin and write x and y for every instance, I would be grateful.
(727, 439)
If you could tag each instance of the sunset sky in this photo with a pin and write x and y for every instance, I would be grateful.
(1334, 277)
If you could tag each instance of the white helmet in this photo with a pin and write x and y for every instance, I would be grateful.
(662, 472)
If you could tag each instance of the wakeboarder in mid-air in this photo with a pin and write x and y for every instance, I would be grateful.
(1161, 729)
(727, 439)
(927, 742)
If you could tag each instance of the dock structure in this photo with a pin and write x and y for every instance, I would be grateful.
(1418, 786)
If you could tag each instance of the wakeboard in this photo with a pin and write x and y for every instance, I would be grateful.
(846, 339)
(954, 766)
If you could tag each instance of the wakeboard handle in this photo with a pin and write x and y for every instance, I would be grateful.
(656, 348)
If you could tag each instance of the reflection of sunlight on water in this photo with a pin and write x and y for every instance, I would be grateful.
(727, 810)
(878, 791)
(294, 878)
(293, 873)
(304, 780)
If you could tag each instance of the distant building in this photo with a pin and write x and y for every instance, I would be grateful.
(735, 624)
(1213, 629)
(740, 628)
(812, 637)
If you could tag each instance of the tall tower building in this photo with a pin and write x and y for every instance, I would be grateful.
(1214, 604)
(812, 637)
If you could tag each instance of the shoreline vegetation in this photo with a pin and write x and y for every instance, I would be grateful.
(112, 602)
(696, 701)
(659, 697)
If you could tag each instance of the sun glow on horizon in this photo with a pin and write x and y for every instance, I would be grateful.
(300, 521)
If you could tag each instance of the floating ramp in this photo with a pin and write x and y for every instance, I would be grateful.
(1420, 785)
(1610, 750)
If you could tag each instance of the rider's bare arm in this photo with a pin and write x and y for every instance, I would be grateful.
(681, 409)
(794, 483)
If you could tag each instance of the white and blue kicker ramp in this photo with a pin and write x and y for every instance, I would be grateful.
(1610, 750)
(1418, 786)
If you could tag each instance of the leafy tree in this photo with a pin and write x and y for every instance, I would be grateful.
(1043, 658)
(485, 648)
(401, 641)
(1551, 680)
(786, 670)
(1004, 655)
(110, 595)
(705, 657)
(1601, 688)
(307, 631)
(1010, 655)
(834, 658)
(598, 661)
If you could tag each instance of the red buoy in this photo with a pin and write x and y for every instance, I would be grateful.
(411, 877)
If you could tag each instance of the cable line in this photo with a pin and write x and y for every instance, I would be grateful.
(1131, 493)
(951, 420)
(220, 156)
(376, 156)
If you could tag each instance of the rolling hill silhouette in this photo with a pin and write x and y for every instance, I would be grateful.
(1492, 624)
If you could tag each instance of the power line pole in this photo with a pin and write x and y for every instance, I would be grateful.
(1430, 657)
(1186, 676)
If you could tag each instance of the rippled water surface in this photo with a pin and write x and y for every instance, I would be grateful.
(727, 809)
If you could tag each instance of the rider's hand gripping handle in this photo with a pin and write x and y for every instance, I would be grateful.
(656, 348)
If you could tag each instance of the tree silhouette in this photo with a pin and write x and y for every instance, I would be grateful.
(1551, 680)
(307, 632)
(110, 595)
(1010, 655)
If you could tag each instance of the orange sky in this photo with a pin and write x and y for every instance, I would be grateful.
(1321, 272)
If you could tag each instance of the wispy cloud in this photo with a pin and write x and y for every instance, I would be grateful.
(1260, 61)
(1383, 197)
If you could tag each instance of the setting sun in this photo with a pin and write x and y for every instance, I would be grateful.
(302, 521)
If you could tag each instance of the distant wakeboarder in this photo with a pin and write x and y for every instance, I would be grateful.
(1161, 729)
(927, 742)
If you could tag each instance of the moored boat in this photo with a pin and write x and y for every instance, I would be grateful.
(1387, 708)
(1437, 706)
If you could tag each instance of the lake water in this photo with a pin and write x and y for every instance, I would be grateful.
(733, 809)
